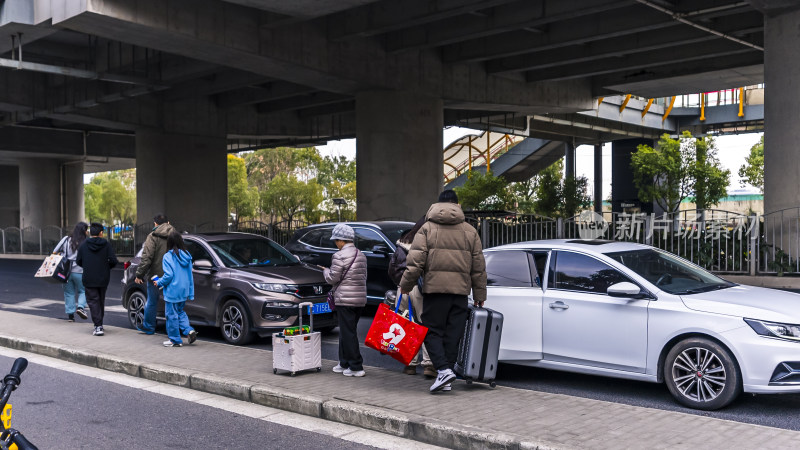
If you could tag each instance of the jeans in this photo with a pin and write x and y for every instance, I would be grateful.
(96, 297)
(150, 309)
(349, 351)
(177, 321)
(445, 315)
(74, 285)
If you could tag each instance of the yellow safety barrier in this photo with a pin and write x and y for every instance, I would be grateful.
(669, 109)
(647, 108)
(625, 103)
(741, 102)
(702, 107)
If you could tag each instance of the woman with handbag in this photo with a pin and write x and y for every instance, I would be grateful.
(348, 276)
(74, 286)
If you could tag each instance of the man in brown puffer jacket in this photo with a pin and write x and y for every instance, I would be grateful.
(447, 252)
(153, 250)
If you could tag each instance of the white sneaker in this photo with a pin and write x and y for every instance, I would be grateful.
(98, 331)
(350, 373)
(169, 343)
(447, 387)
(444, 378)
(338, 368)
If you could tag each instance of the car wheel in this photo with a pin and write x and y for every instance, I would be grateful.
(235, 323)
(136, 304)
(701, 374)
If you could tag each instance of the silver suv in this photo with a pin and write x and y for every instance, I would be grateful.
(245, 284)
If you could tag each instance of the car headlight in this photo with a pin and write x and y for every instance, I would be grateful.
(777, 330)
(280, 304)
(275, 287)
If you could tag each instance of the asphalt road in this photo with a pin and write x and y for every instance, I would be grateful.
(20, 292)
(54, 408)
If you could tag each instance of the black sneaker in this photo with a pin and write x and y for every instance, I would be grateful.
(70, 317)
(192, 336)
(81, 313)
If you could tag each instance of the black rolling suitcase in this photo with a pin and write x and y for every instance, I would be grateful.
(479, 349)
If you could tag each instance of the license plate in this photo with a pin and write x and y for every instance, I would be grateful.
(321, 308)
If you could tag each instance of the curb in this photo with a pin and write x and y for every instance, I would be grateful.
(409, 426)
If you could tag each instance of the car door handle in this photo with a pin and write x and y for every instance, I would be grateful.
(559, 305)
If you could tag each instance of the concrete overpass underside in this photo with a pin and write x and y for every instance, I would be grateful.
(176, 84)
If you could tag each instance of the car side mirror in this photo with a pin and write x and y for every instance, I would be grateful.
(204, 264)
(381, 249)
(625, 290)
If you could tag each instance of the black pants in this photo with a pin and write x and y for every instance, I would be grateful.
(349, 350)
(445, 315)
(96, 298)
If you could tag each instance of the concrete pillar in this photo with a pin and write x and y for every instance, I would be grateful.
(9, 196)
(782, 108)
(39, 192)
(73, 207)
(624, 195)
(182, 176)
(598, 178)
(569, 160)
(398, 154)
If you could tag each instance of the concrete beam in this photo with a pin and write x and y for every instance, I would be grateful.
(676, 36)
(62, 143)
(675, 57)
(578, 31)
(276, 90)
(303, 101)
(232, 36)
(383, 17)
(222, 81)
(525, 15)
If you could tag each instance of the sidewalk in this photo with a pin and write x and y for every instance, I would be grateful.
(472, 416)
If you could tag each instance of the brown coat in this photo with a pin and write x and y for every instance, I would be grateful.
(448, 252)
(155, 247)
(351, 289)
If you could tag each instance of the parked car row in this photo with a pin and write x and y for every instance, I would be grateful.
(597, 307)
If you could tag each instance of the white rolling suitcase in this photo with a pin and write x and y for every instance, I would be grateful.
(302, 351)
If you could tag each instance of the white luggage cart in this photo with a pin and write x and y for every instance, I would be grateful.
(299, 352)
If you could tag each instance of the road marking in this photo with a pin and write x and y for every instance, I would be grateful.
(33, 304)
(267, 414)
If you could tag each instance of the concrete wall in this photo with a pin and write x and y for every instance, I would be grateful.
(398, 154)
(182, 176)
(9, 196)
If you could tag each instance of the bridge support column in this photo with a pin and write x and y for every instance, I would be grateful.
(598, 178)
(73, 201)
(39, 192)
(782, 108)
(398, 154)
(182, 176)
(569, 160)
(9, 196)
(624, 195)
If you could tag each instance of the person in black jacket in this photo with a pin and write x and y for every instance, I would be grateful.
(97, 258)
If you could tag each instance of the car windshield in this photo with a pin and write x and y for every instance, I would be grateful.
(394, 232)
(252, 252)
(670, 273)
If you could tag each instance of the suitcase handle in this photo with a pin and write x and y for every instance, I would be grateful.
(310, 316)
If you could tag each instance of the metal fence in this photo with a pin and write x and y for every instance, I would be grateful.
(720, 241)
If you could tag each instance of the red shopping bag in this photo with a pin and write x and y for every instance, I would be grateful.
(394, 335)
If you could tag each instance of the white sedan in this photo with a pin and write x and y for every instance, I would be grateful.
(633, 311)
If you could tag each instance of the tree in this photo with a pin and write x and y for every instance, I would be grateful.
(676, 169)
(265, 164)
(286, 197)
(574, 196)
(337, 176)
(482, 191)
(111, 197)
(242, 199)
(752, 171)
(548, 191)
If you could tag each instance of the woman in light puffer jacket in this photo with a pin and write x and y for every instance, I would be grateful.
(348, 276)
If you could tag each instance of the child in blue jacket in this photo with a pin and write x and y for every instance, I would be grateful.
(178, 285)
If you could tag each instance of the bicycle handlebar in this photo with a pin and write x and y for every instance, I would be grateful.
(16, 370)
(22, 443)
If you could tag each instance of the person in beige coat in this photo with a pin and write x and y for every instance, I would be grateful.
(447, 253)
(348, 276)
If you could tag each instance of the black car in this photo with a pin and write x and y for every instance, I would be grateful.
(376, 239)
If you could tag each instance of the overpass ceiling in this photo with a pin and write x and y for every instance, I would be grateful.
(306, 59)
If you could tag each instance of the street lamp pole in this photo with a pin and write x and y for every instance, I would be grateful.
(339, 202)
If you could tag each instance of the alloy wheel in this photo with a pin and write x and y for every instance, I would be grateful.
(136, 310)
(232, 322)
(699, 374)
